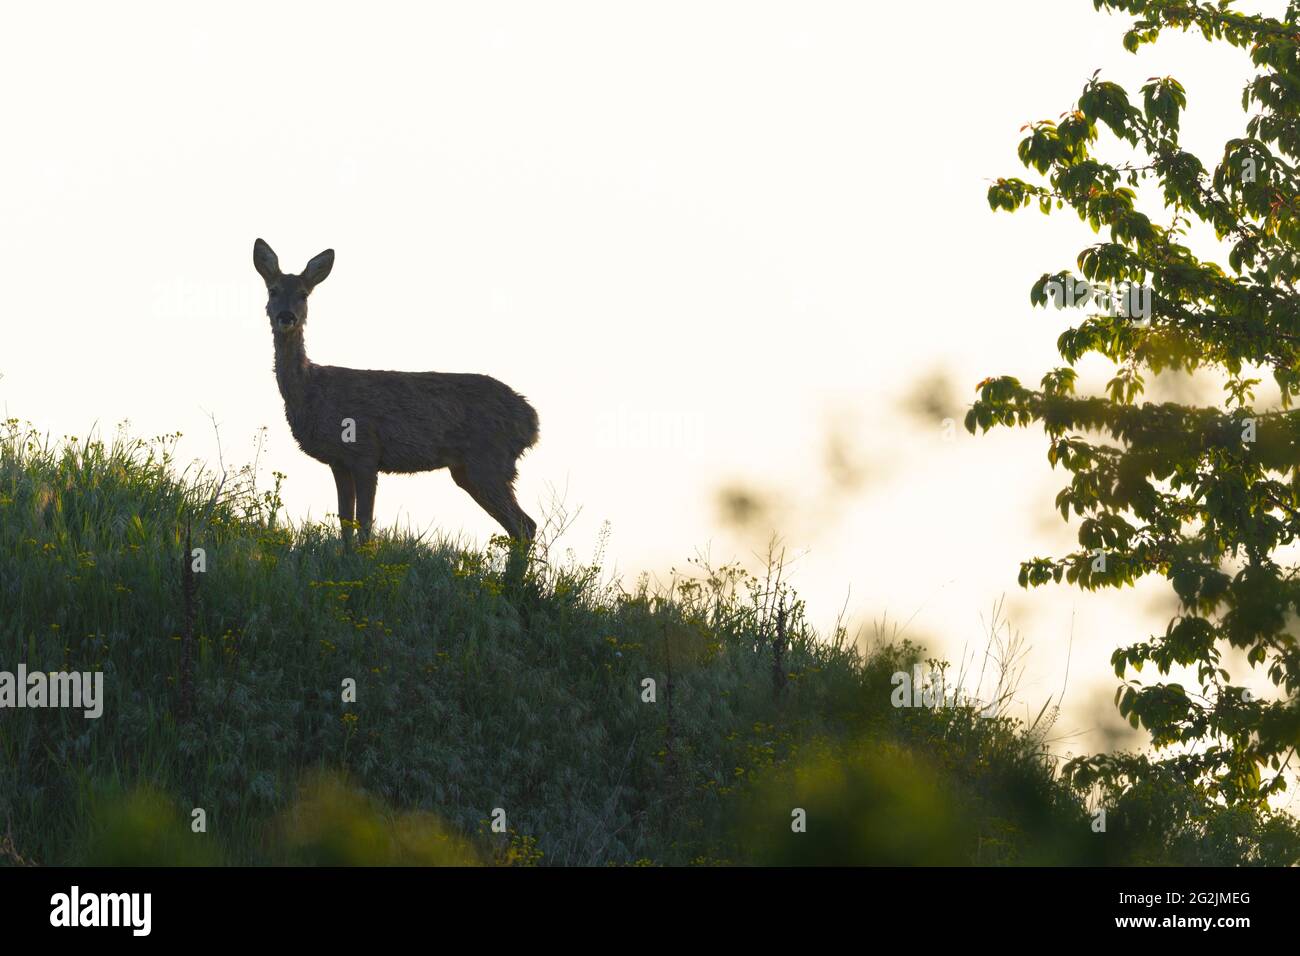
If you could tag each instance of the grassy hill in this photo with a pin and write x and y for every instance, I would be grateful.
(483, 695)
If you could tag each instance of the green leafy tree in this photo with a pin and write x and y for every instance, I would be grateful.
(1206, 497)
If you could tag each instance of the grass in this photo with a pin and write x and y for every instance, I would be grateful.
(497, 717)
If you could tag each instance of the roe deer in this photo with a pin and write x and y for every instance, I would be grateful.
(361, 422)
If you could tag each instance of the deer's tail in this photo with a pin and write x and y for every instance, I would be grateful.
(527, 426)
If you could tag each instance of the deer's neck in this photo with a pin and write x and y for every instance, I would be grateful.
(292, 367)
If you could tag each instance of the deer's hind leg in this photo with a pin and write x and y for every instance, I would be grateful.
(366, 478)
(493, 487)
(347, 501)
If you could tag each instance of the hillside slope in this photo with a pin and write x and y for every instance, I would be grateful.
(485, 701)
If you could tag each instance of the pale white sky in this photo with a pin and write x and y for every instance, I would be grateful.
(704, 238)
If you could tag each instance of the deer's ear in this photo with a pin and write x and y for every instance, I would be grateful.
(318, 269)
(265, 261)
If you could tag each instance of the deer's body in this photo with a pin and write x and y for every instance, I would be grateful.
(362, 422)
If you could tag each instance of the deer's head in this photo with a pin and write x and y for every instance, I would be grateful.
(286, 302)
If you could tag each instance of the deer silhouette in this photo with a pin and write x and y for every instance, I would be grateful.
(362, 422)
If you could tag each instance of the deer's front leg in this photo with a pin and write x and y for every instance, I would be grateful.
(365, 479)
(347, 501)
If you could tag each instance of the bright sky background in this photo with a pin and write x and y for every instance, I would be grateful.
(717, 244)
